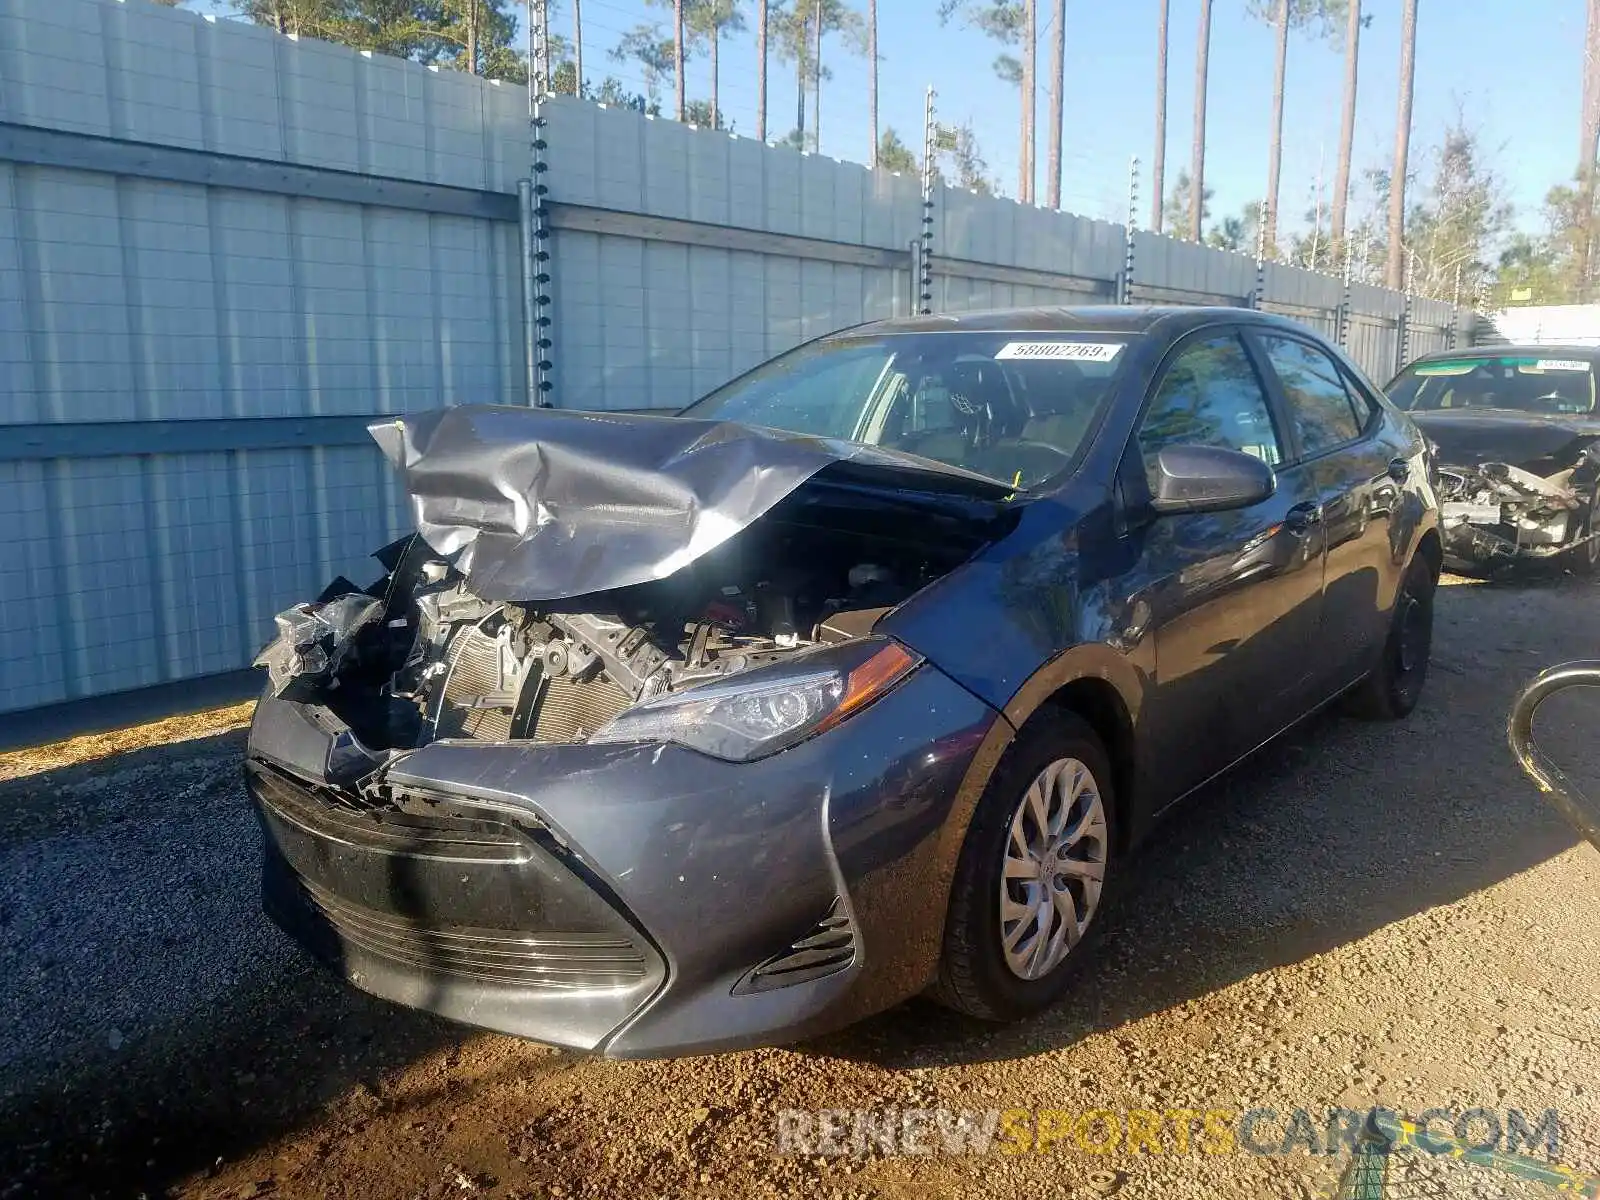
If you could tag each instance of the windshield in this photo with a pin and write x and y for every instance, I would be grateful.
(1517, 381)
(1013, 406)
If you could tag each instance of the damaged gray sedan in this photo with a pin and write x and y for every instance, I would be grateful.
(1517, 443)
(859, 678)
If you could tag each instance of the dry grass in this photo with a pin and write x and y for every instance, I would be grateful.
(16, 764)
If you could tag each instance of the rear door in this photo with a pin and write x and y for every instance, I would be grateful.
(1232, 596)
(1355, 470)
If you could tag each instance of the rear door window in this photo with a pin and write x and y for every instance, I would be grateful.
(1325, 415)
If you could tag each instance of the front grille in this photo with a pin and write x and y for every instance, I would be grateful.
(343, 815)
(560, 961)
(829, 947)
(569, 711)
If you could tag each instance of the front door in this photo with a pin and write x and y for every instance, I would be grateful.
(1352, 466)
(1233, 596)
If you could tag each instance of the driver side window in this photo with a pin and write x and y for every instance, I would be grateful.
(1210, 395)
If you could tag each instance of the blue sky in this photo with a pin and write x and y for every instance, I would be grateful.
(1512, 66)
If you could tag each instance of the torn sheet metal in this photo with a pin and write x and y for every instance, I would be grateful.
(313, 640)
(1497, 512)
(541, 504)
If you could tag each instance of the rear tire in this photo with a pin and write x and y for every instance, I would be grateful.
(1393, 688)
(1011, 947)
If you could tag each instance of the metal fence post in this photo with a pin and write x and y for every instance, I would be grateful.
(1403, 341)
(924, 265)
(1260, 292)
(539, 82)
(1343, 321)
(1455, 308)
(537, 303)
(1126, 290)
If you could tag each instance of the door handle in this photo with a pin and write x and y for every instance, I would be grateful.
(1300, 519)
(1399, 469)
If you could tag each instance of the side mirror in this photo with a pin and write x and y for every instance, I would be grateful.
(1196, 479)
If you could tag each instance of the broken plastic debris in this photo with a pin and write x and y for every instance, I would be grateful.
(313, 640)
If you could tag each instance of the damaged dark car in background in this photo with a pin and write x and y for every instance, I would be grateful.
(1517, 444)
(857, 679)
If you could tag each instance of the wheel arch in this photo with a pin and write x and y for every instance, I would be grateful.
(1103, 688)
(1095, 701)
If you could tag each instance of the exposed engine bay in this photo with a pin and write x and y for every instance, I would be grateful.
(1495, 512)
(419, 657)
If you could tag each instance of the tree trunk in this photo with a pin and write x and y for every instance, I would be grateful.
(1395, 259)
(1058, 88)
(872, 81)
(800, 94)
(472, 36)
(716, 113)
(1589, 134)
(577, 46)
(1197, 151)
(677, 53)
(1275, 150)
(816, 92)
(1347, 126)
(761, 70)
(1030, 55)
(1158, 166)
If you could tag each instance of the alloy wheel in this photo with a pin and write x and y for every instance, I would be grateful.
(1055, 868)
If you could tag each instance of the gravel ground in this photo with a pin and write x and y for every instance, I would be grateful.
(1362, 914)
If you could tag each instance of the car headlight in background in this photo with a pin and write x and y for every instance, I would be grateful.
(760, 712)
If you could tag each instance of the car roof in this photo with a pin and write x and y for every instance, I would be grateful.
(1172, 320)
(1515, 349)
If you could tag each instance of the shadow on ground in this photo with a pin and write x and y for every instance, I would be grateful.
(161, 1023)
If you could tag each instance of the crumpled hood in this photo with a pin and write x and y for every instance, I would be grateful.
(1472, 437)
(544, 504)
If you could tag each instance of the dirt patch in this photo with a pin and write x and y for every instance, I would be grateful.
(16, 764)
(1363, 914)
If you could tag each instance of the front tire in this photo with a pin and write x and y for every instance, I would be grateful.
(1393, 688)
(1033, 879)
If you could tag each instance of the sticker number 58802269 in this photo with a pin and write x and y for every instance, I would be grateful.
(1099, 352)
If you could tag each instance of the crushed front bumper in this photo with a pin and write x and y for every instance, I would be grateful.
(1496, 516)
(637, 900)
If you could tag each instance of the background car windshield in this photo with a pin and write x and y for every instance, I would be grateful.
(1532, 384)
(1013, 406)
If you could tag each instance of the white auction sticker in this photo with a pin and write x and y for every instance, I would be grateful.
(1562, 364)
(1099, 352)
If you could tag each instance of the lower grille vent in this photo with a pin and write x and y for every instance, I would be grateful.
(545, 960)
(830, 947)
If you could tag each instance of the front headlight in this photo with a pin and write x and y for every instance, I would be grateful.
(760, 712)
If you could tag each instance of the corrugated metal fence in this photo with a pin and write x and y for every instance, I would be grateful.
(222, 252)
